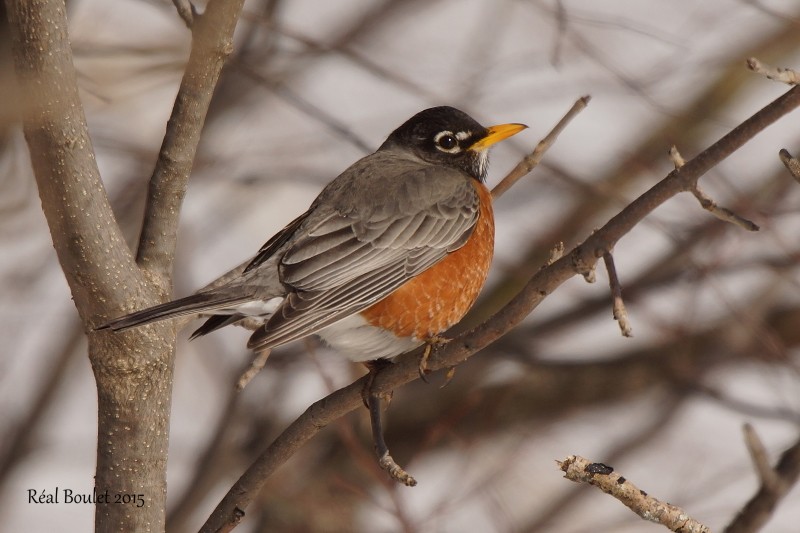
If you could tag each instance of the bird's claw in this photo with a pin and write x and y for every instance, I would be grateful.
(436, 340)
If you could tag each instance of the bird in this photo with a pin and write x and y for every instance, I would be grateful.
(391, 253)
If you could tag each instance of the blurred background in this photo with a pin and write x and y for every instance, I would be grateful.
(311, 87)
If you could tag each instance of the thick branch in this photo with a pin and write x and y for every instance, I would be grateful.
(133, 371)
(212, 42)
(580, 259)
(85, 234)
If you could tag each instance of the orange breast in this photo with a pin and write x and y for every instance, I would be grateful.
(439, 297)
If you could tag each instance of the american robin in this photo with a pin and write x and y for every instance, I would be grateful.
(391, 253)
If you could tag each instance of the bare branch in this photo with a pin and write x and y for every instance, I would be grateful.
(580, 470)
(620, 314)
(758, 453)
(256, 365)
(791, 163)
(646, 435)
(85, 234)
(722, 213)
(710, 205)
(543, 283)
(531, 161)
(212, 42)
(783, 75)
(759, 509)
(99, 268)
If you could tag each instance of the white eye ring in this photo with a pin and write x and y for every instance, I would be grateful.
(445, 141)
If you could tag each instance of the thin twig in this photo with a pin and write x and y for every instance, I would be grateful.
(758, 453)
(783, 75)
(651, 430)
(792, 163)
(707, 203)
(722, 213)
(534, 158)
(618, 308)
(759, 509)
(580, 470)
(541, 284)
(676, 157)
(256, 365)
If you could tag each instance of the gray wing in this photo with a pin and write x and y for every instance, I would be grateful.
(362, 251)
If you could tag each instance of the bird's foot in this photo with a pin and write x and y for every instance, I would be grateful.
(436, 340)
(385, 460)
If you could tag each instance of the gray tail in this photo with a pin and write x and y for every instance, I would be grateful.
(214, 323)
(194, 304)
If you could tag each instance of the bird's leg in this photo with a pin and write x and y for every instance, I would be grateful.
(373, 402)
(385, 460)
(374, 367)
(430, 342)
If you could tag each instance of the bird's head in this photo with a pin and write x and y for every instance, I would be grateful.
(446, 136)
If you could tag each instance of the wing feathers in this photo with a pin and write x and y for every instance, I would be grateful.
(303, 313)
(331, 277)
(332, 241)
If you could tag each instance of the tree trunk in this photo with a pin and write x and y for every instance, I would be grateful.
(133, 371)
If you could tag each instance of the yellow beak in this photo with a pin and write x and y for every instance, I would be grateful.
(496, 134)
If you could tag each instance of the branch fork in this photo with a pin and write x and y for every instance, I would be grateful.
(722, 213)
(776, 481)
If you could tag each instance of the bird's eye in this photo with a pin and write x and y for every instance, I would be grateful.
(446, 142)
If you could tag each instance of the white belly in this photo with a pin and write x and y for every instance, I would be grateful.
(359, 341)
